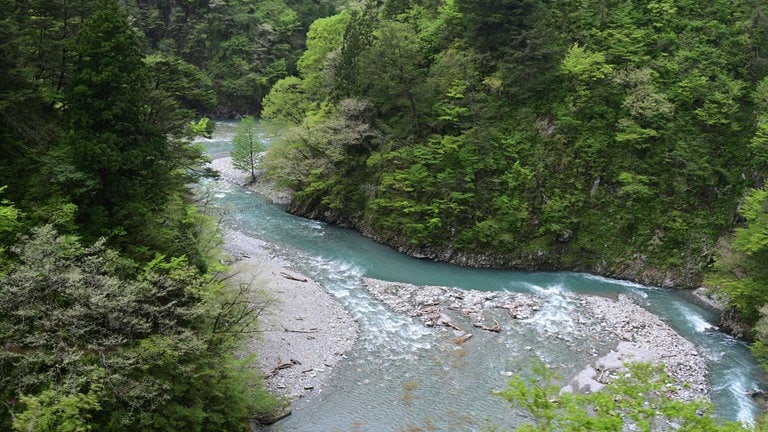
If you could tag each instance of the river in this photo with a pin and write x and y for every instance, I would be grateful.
(403, 376)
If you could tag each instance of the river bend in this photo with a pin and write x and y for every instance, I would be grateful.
(402, 375)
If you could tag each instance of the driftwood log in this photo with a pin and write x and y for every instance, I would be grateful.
(291, 277)
(496, 328)
(312, 330)
(284, 365)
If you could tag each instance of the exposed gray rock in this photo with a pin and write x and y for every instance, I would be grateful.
(637, 335)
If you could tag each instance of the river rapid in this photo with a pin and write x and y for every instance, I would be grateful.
(404, 376)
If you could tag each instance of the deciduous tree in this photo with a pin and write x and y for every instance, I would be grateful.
(247, 147)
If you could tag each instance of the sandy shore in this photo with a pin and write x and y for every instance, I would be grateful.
(305, 332)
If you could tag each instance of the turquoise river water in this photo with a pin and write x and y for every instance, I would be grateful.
(402, 376)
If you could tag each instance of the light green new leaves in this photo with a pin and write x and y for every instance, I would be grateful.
(639, 399)
(53, 411)
(586, 65)
(247, 147)
(753, 238)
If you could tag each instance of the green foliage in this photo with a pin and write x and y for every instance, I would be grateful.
(739, 270)
(759, 143)
(323, 158)
(240, 48)
(533, 133)
(286, 102)
(753, 239)
(9, 225)
(639, 399)
(585, 65)
(110, 139)
(358, 37)
(393, 67)
(178, 91)
(50, 411)
(157, 344)
(9, 228)
(247, 147)
(129, 328)
(323, 41)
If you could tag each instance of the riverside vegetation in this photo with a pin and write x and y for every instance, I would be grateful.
(614, 138)
(115, 313)
(623, 138)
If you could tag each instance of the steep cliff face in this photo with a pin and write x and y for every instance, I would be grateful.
(732, 322)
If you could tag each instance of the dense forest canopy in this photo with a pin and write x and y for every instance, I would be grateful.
(627, 138)
(611, 137)
(114, 311)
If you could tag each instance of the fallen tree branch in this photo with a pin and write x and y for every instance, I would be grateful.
(282, 366)
(451, 325)
(291, 277)
(312, 330)
(495, 329)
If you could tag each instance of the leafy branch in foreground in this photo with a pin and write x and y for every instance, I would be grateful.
(639, 399)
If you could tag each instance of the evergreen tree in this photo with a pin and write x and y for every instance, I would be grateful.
(358, 37)
(151, 352)
(110, 140)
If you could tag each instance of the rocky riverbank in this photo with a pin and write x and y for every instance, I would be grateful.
(631, 333)
(309, 331)
(304, 331)
(230, 174)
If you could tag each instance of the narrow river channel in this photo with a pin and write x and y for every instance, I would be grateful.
(403, 376)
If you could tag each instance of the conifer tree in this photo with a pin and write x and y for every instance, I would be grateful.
(112, 145)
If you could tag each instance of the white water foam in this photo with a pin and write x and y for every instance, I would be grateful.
(396, 334)
(312, 224)
(556, 313)
(693, 319)
(625, 283)
(735, 383)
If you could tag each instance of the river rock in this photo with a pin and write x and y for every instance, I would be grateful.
(278, 415)
(637, 335)
(644, 337)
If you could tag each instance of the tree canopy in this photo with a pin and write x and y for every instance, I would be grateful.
(114, 313)
(531, 134)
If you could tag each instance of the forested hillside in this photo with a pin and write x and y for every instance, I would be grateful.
(239, 49)
(613, 137)
(623, 138)
(114, 314)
